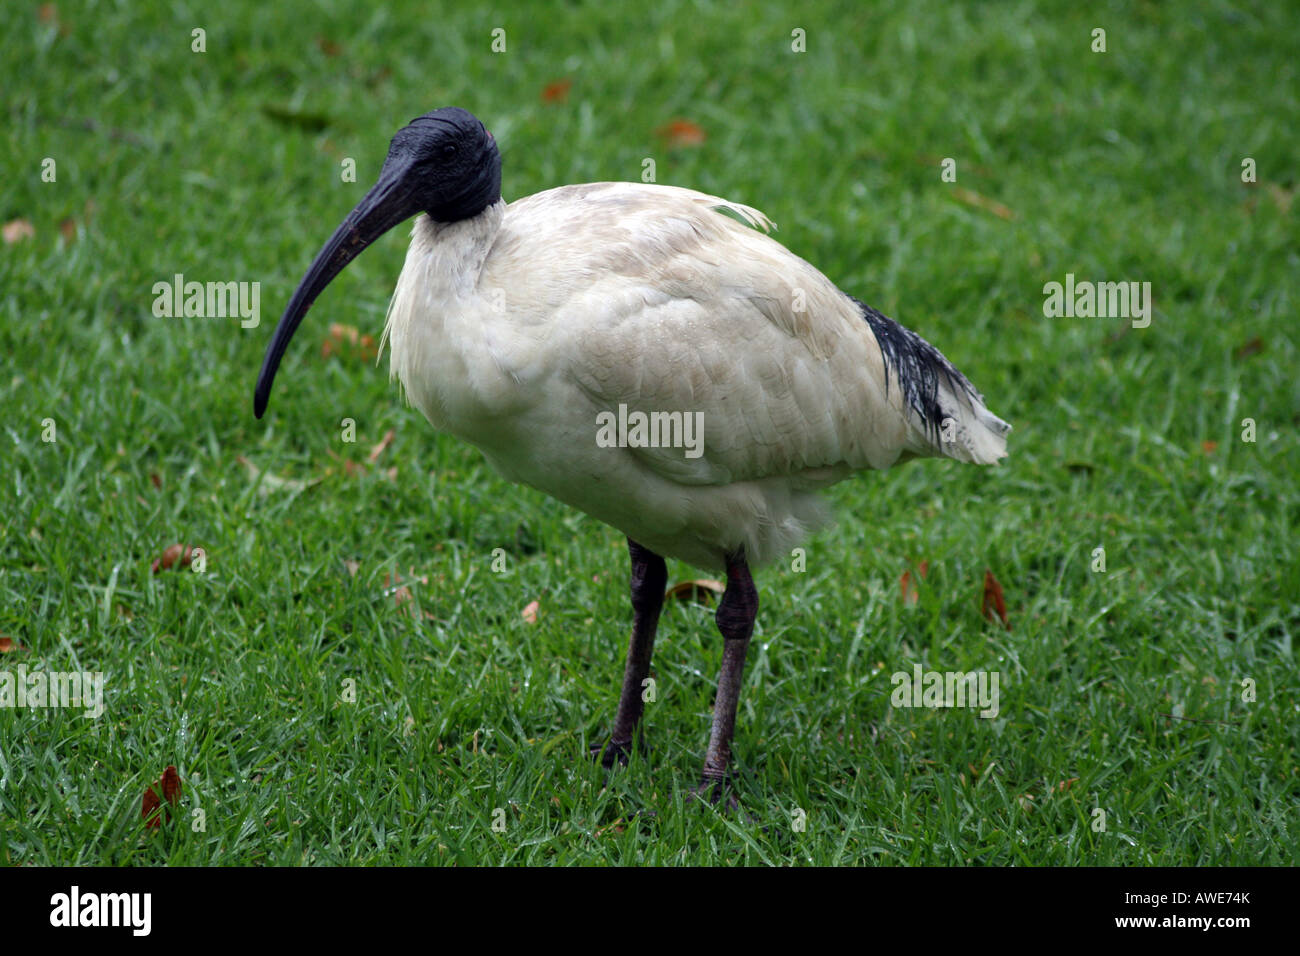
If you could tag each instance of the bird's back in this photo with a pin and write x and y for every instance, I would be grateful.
(676, 302)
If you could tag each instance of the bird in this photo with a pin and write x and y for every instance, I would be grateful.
(648, 355)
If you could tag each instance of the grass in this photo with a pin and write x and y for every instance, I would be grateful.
(226, 165)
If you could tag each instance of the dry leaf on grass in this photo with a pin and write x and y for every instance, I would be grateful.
(347, 340)
(972, 198)
(383, 444)
(401, 592)
(703, 591)
(907, 585)
(169, 785)
(16, 230)
(177, 555)
(993, 601)
(269, 482)
(557, 91)
(681, 132)
(529, 613)
(1253, 347)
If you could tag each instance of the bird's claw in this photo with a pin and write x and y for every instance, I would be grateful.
(716, 791)
(610, 752)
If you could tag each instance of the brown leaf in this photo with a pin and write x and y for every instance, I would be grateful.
(383, 443)
(68, 228)
(972, 198)
(174, 555)
(1253, 347)
(400, 593)
(155, 480)
(171, 785)
(557, 91)
(993, 600)
(149, 809)
(681, 132)
(347, 340)
(1209, 447)
(529, 613)
(16, 230)
(908, 586)
(1065, 785)
(8, 645)
(703, 591)
(267, 482)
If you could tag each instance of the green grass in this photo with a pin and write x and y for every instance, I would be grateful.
(1122, 165)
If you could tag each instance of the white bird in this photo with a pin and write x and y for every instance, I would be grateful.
(532, 329)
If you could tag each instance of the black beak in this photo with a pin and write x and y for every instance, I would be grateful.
(389, 202)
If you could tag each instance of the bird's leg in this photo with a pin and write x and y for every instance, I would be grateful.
(735, 617)
(649, 575)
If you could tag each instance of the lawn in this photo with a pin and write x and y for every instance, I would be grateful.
(350, 680)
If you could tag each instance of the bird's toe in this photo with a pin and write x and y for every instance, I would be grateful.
(611, 752)
(717, 792)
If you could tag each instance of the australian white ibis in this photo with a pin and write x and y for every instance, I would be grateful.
(529, 329)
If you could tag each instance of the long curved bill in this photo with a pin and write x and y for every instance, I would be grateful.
(386, 204)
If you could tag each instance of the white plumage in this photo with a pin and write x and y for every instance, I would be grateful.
(526, 328)
(515, 329)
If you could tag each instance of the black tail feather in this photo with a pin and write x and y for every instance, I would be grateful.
(919, 368)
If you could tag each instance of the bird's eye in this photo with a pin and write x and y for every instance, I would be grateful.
(448, 151)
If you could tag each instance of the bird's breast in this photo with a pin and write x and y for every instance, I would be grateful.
(459, 359)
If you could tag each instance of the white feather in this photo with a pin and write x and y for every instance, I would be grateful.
(515, 329)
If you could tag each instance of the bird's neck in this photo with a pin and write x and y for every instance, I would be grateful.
(439, 319)
(454, 251)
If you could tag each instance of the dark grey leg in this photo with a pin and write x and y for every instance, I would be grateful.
(649, 576)
(735, 617)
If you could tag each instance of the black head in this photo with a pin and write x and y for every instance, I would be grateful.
(444, 163)
(448, 161)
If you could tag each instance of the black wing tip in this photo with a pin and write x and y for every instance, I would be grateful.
(918, 366)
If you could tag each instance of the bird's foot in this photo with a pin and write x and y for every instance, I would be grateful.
(716, 791)
(613, 751)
